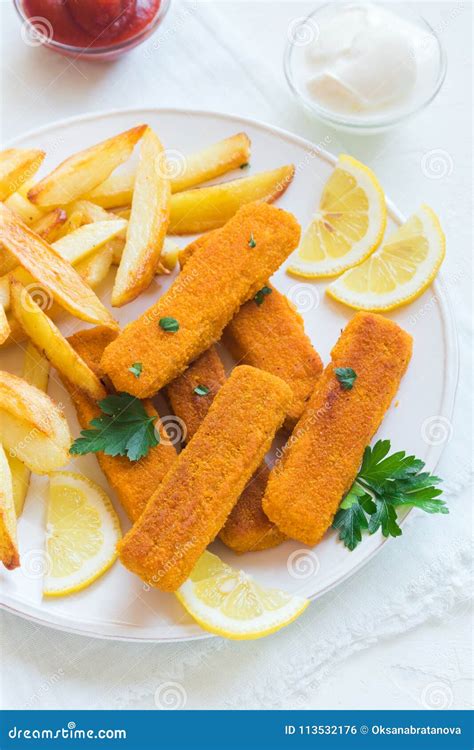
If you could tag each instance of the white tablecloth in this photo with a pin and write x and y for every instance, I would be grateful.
(397, 633)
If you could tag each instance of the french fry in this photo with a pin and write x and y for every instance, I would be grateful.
(16, 166)
(48, 226)
(49, 340)
(23, 208)
(212, 162)
(147, 225)
(35, 372)
(88, 238)
(116, 190)
(95, 268)
(32, 427)
(4, 325)
(82, 172)
(74, 221)
(8, 537)
(75, 247)
(207, 164)
(55, 273)
(203, 209)
(29, 214)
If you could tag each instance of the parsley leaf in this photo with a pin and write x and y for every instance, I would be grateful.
(201, 390)
(261, 294)
(244, 166)
(346, 377)
(384, 483)
(170, 325)
(136, 369)
(252, 242)
(123, 429)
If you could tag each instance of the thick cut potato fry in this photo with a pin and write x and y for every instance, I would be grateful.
(48, 267)
(75, 247)
(35, 372)
(49, 340)
(203, 209)
(211, 162)
(16, 166)
(4, 325)
(93, 213)
(95, 268)
(8, 538)
(49, 225)
(82, 172)
(87, 239)
(32, 427)
(147, 225)
(116, 190)
(23, 208)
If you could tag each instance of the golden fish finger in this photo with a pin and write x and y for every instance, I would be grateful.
(324, 453)
(247, 527)
(192, 503)
(133, 481)
(193, 312)
(267, 332)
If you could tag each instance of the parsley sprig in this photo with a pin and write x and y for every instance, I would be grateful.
(383, 484)
(123, 429)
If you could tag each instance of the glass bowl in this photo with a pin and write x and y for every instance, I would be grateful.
(40, 33)
(304, 31)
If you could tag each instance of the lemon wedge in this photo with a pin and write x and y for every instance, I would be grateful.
(82, 532)
(399, 271)
(230, 603)
(348, 226)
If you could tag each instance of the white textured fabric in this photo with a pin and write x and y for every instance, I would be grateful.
(397, 633)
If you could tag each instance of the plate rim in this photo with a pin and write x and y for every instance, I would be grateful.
(451, 365)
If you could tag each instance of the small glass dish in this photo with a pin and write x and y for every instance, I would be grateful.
(305, 31)
(40, 33)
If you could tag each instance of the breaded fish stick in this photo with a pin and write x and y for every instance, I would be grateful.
(192, 314)
(270, 335)
(192, 503)
(134, 482)
(208, 371)
(247, 528)
(324, 453)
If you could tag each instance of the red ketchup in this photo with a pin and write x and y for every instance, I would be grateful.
(93, 23)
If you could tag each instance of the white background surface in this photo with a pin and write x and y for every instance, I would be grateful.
(397, 634)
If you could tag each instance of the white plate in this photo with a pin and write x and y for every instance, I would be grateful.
(118, 605)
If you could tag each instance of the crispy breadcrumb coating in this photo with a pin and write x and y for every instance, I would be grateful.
(270, 335)
(247, 528)
(324, 453)
(192, 503)
(133, 481)
(216, 281)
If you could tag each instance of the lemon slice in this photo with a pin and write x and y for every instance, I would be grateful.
(348, 226)
(399, 271)
(230, 603)
(82, 532)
